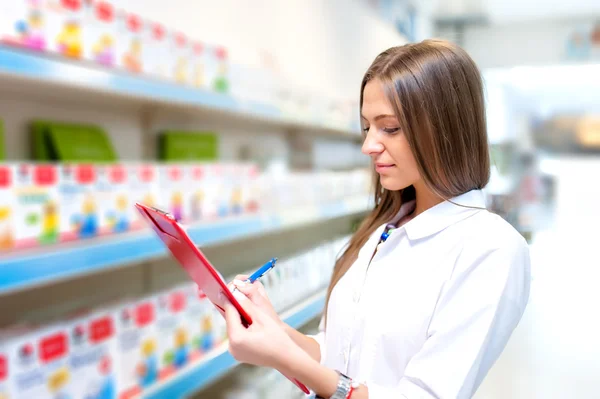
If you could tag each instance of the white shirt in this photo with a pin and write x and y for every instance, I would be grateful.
(436, 306)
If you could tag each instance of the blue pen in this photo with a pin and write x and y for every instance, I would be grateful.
(264, 269)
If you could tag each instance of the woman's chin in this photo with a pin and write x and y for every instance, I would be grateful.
(392, 184)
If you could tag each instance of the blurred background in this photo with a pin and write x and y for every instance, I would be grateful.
(241, 119)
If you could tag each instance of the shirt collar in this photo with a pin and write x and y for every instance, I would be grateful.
(444, 214)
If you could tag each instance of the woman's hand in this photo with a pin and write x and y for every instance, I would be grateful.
(258, 296)
(264, 343)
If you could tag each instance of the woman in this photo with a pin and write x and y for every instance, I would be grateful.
(431, 286)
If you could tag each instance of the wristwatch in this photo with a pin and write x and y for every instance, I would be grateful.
(345, 387)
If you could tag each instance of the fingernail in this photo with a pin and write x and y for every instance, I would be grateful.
(239, 283)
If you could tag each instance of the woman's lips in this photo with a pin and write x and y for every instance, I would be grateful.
(383, 167)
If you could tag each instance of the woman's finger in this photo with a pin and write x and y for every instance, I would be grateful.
(261, 288)
(250, 290)
(233, 320)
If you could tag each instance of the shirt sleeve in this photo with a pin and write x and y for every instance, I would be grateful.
(476, 313)
(320, 338)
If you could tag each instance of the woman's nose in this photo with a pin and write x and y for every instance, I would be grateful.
(372, 146)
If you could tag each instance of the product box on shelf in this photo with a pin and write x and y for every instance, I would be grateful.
(65, 25)
(216, 68)
(37, 213)
(174, 185)
(100, 33)
(196, 193)
(5, 373)
(93, 355)
(23, 24)
(172, 331)
(114, 199)
(220, 79)
(7, 207)
(270, 281)
(199, 320)
(236, 174)
(198, 65)
(229, 187)
(157, 53)
(220, 325)
(297, 278)
(181, 53)
(78, 204)
(130, 41)
(212, 192)
(38, 361)
(143, 188)
(250, 186)
(137, 347)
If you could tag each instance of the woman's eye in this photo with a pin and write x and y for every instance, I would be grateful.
(391, 130)
(365, 130)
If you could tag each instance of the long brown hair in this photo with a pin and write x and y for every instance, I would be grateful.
(437, 94)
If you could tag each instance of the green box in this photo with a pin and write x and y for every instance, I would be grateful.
(53, 141)
(40, 148)
(178, 146)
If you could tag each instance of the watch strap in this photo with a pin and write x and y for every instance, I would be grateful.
(344, 390)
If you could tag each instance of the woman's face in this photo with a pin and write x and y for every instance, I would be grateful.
(385, 141)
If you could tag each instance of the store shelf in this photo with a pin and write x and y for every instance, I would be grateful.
(23, 71)
(61, 262)
(195, 377)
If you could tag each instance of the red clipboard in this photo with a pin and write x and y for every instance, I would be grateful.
(195, 264)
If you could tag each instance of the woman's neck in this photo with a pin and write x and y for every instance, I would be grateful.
(425, 198)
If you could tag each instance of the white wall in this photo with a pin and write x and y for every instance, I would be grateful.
(319, 44)
(522, 43)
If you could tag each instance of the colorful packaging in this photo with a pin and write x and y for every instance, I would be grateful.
(7, 207)
(196, 193)
(173, 332)
(199, 322)
(250, 187)
(181, 53)
(143, 188)
(219, 326)
(79, 216)
(39, 363)
(5, 374)
(236, 174)
(93, 356)
(100, 33)
(198, 65)
(65, 21)
(137, 348)
(221, 186)
(157, 58)
(130, 45)
(113, 195)
(23, 24)
(174, 184)
(37, 205)
(219, 76)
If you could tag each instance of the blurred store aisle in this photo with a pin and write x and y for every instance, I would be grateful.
(555, 351)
